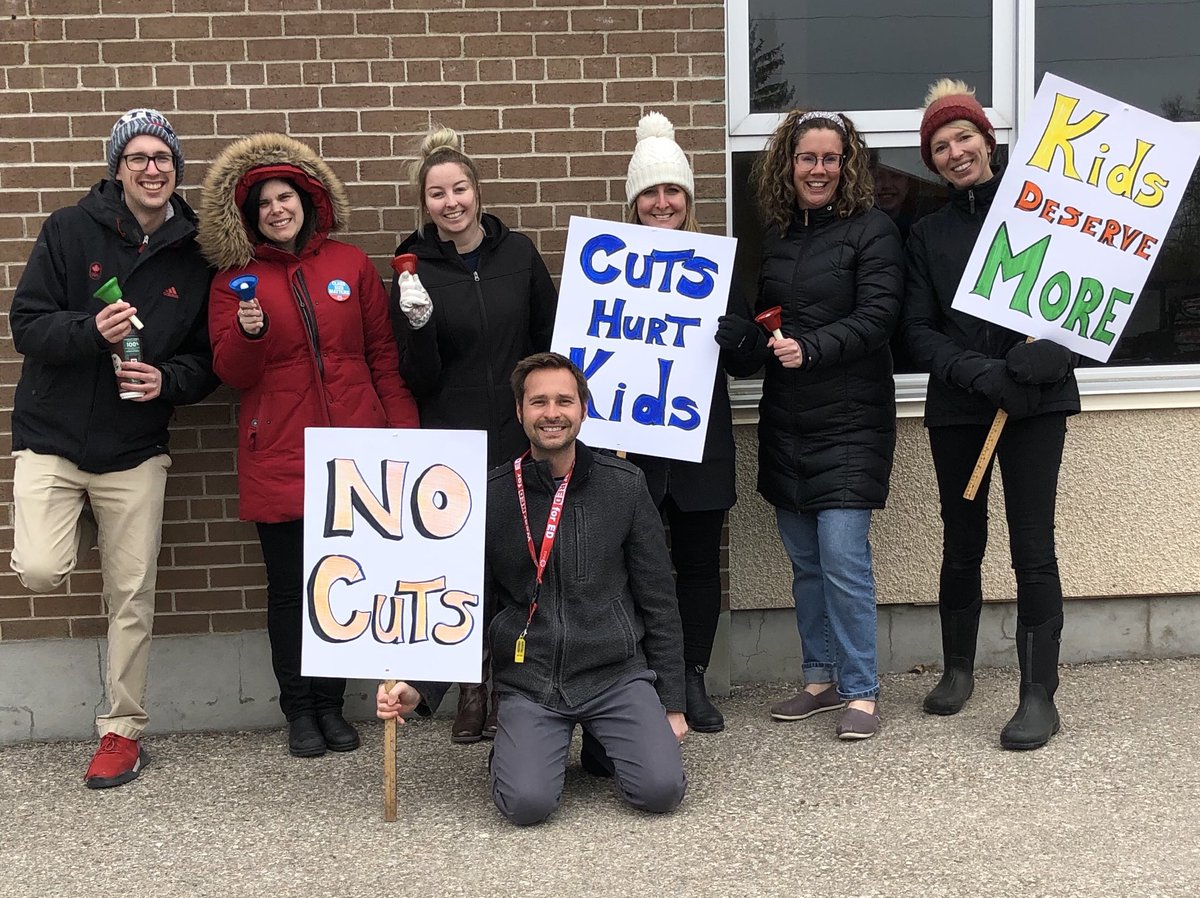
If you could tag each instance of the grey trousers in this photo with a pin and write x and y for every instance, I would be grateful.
(529, 756)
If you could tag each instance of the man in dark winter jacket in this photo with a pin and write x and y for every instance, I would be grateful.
(98, 385)
(585, 627)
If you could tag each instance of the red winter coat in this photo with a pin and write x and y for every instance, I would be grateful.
(326, 357)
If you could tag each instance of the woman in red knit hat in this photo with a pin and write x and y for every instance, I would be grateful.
(974, 369)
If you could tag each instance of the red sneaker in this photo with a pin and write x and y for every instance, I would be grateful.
(117, 761)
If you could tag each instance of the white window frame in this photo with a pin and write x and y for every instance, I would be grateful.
(1109, 388)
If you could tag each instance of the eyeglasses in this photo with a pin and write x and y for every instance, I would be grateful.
(139, 161)
(831, 161)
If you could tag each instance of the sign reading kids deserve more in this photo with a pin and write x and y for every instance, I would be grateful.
(1079, 219)
(393, 553)
(637, 311)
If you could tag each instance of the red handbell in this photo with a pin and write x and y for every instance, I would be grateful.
(404, 262)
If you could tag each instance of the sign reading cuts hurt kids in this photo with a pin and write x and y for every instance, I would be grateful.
(1079, 219)
(637, 311)
(393, 553)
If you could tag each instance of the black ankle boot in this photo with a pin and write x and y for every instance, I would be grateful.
(339, 734)
(304, 738)
(1037, 718)
(702, 715)
(960, 630)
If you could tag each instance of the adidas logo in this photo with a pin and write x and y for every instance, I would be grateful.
(171, 293)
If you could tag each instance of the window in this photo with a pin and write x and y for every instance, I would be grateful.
(874, 59)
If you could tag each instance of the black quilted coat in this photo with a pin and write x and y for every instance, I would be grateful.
(827, 430)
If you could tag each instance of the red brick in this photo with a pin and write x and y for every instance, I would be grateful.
(173, 26)
(209, 98)
(600, 67)
(509, 94)
(135, 76)
(355, 146)
(24, 78)
(34, 629)
(568, 93)
(533, 167)
(635, 66)
(351, 72)
(496, 70)
(17, 103)
(64, 151)
(496, 45)
(644, 91)
(286, 97)
(180, 624)
(637, 42)
(323, 122)
(117, 101)
(173, 75)
(431, 96)
(89, 627)
(15, 606)
(516, 193)
(601, 166)
(576, 190)
(354, 47)
(247, 73)
(274, 50)
(532, 69)
(701, 42)
(541, 20)
(540, 118)
(67, 606)
(460, 70)
(241, 124)
(136, 52)
(568, 44)
(391, 23)
(209, 600)
(459, 22)
(247, 26)
(608, 20)
(666, 19)
(213, 7)
(235, 622)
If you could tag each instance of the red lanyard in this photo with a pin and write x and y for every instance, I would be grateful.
(539, 560)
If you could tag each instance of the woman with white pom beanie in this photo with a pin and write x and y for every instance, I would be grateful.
(693, 496)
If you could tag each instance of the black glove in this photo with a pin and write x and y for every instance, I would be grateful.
(737, 334)
(1039, 362)
(994, 382)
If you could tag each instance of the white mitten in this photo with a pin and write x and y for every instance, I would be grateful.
(414, 300)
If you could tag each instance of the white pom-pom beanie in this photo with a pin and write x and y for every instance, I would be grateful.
(657, 159)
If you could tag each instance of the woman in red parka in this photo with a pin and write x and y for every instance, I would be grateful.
(312, 348)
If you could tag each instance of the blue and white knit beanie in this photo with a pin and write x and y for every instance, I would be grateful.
(143, 121)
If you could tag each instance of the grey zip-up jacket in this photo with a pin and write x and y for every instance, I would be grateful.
(607, 607)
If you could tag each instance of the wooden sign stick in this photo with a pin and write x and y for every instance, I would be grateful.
(389, 765)
(989, 448)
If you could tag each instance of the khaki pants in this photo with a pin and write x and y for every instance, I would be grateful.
(49, 493)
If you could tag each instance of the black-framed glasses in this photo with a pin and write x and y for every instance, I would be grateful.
(140, 161)
(805, 161)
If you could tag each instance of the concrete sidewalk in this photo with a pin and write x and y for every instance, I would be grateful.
(931, 807)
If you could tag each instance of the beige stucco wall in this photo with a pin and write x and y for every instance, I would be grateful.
(1128, 516)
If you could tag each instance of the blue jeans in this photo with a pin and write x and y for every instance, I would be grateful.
(834, 588)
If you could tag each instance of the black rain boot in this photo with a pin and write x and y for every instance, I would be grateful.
(702, 715)
(960, 630)
(1036, 719)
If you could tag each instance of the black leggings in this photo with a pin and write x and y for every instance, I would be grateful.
(283, 554)
(696, 554)
(1030, 455)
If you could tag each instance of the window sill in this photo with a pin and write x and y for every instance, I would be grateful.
(1100, 389)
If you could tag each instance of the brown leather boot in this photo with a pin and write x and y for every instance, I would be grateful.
(471, 713)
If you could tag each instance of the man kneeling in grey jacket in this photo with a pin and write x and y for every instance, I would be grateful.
(584, 622)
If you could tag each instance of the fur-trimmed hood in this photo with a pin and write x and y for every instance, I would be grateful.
(225, 238)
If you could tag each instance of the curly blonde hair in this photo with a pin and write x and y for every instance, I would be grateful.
(441, 145)
(772, 172)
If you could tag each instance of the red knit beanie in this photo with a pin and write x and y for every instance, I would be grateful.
(950, 109)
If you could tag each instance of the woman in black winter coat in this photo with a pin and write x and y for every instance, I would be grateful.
(827, 420)
(481, 301)
(974, 369)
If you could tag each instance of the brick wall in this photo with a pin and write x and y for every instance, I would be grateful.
(547, 93)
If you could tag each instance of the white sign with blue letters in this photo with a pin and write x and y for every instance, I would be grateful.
(637, 310)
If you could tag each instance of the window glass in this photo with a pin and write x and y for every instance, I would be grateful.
(865, 54)
(1145, 53)
(1141, 51)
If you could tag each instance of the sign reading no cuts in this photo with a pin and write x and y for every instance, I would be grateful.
(393, 553)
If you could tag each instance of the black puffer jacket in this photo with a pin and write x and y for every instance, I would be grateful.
(827, 430)
(67, 401)
(949, 344)
(458, 365)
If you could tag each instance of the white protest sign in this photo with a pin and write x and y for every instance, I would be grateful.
(1079, 219)
(637, 311)
(393, 553)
